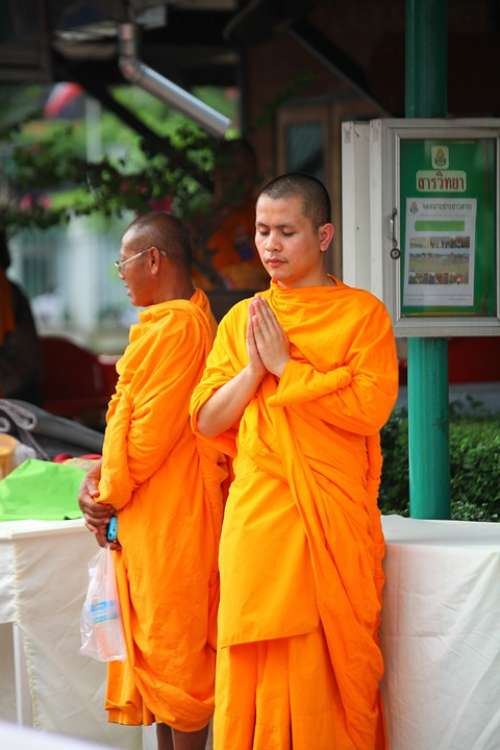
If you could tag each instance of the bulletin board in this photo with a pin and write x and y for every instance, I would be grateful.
(448, 226)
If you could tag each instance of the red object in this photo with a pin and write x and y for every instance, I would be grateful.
(471, 359)
(74, 380)
(474, 360)
(60, 96)
(403, 372)
(61, 458)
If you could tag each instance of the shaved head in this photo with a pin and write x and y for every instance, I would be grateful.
(312, 192)
(163, 231)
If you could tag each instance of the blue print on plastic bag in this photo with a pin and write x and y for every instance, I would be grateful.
(103, 611)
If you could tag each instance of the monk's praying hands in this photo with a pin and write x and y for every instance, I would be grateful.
(255, 363)
(270, 338)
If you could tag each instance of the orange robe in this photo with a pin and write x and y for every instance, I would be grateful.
(165, 484)
(234, 254)
(301, 547)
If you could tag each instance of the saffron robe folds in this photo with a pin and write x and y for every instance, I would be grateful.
(302, 541)
(277, 695)
(165, 484)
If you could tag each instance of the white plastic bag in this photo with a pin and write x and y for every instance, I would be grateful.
(22, 453)
(100, 622)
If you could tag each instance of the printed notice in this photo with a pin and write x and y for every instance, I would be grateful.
(439, 252)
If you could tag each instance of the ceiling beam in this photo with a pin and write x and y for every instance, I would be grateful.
(332, 57)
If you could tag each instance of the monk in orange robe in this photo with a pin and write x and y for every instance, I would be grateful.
(299, 382)
(164, 485)
(226, 231)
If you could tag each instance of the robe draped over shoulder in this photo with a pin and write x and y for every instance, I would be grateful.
(302, 542)
(164, 483)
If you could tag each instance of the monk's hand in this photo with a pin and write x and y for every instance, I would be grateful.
(255, 364)
(270, 338)
(96, 515)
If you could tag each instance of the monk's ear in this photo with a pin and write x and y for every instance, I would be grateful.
(326, 233)
(154, 261)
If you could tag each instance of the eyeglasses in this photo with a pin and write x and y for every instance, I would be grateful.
(119, 264)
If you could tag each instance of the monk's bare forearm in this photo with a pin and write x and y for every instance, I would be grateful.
(225, 407)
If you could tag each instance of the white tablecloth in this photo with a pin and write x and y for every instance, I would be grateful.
(14, 737)
(43, 580)
(441, 634)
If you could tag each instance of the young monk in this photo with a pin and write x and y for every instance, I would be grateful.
(299, 382)
(163, 484)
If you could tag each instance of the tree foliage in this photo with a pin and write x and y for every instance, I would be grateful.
(50, 180)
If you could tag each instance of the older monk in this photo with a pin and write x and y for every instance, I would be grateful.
(163, 483)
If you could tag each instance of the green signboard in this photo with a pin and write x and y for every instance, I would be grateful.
(448, 228)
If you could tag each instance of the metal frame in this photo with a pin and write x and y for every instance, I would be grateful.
(356, 267)
(385, 137)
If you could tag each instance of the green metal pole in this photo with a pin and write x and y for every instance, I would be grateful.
(428, 428)
(426, 51)
(428, 443)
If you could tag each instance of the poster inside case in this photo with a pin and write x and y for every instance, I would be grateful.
(440, 252)
(448, 196)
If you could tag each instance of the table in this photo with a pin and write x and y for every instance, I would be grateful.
(43, 580)
(441, 634)
(14, 737)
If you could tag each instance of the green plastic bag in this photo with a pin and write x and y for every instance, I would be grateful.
(41, 490)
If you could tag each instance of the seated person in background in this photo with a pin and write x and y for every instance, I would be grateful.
(227, 232)
(20, 360)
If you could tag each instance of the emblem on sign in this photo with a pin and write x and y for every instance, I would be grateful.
(440, 157)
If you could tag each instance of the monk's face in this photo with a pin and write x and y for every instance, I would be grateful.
(136, 270)
(290, 246)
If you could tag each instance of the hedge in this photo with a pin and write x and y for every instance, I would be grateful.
(474, 467)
